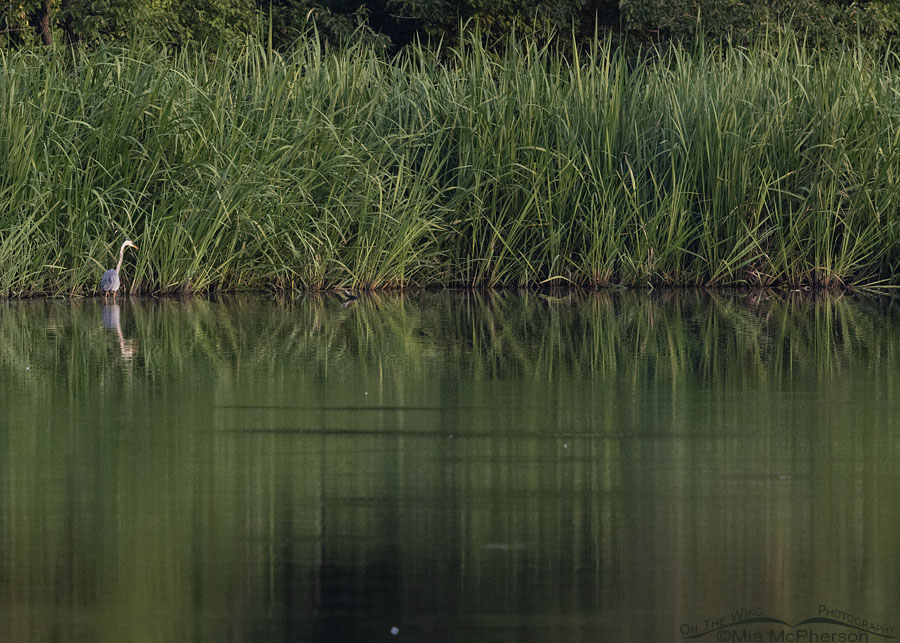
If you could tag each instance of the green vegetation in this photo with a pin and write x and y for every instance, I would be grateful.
(243, 168)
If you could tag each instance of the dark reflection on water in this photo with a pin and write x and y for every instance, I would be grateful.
(460, 467)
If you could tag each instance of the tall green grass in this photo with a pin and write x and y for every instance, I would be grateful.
(244, 169)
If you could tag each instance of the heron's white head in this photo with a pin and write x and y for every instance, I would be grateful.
(129, 243)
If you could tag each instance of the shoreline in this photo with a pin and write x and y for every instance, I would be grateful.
(352, 294)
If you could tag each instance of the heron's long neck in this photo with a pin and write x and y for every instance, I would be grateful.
(121, 256)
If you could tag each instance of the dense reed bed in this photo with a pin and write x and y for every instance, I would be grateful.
(243, 169)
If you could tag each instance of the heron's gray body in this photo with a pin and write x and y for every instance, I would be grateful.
(109, 281)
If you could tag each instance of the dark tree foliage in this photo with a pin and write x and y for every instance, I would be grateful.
(89, 21)
(822, 21)
(394, 23)
(401, 21)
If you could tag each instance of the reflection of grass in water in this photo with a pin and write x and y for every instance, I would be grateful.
(691, 336)
(238, 170)
(136, 520)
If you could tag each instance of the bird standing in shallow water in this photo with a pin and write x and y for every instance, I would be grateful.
(110, 280)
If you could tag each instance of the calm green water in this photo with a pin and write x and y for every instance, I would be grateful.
(458, 467)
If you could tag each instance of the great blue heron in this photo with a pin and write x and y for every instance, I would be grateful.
(110, 280)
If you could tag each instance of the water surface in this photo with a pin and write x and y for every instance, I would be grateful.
(448, 467)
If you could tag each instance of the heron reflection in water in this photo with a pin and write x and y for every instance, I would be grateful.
(110, 316)
(347, 297)
(109, 282)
